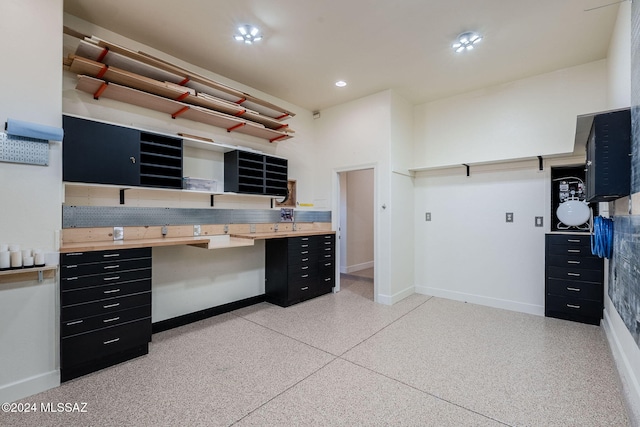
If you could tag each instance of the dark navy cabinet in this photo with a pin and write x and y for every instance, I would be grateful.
(573, 279)
(254, 173)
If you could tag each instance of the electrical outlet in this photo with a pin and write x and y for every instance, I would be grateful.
(509, 217)
(427, 216)
(196, 230)
(164, 230)
(226, 228)
(252, 228)
(295, 227)
(118, 233)
(275, 227)
(539, 221)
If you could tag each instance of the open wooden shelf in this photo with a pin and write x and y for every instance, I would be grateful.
(99, 88)
(38, 273)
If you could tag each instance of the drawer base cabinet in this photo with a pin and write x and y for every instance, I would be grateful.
(299, 268)
(105, 314)
(573, 279)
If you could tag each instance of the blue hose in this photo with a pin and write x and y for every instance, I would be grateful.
(602, 237)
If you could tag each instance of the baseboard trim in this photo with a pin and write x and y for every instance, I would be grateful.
(165, 325)
(357, 267)
(630, 385)
(398, 296)
(29, 386)
(521, 307)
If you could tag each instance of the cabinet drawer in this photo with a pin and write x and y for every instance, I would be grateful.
(310, 269)
(105, 342)
(573, 261)
(301, 276)
(574, 306)
(76, 282)
(295, 258)
(72, 270)
(78, 326)
(301, 245)
(104, 306)
(99, 256)
(576, 290)
(303, 291)
(326, 265)
(94, 293)
(572, 273)
(569, 250)
(569, 239)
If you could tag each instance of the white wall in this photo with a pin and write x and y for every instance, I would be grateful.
(525, 118)
(30, 195)
(624, 347)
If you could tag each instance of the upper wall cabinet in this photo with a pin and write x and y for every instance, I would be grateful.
(111, 71)
(101, 153)
(608, 170)
(253, 173)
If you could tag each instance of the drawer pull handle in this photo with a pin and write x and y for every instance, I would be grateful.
(573, 240)
(305, 238)
(304, 252)
(305, 267)
(72, 278)
(574, 251)
(112, 291)
(327, 256)
(304, 276)
(77, 322)
(573, 289)
(573, 262)
(305, 259)
(110, 255)
(327, 280)
(109, 267)
(72, 266)
(75, 253)
(111, 341)
(573, 274)
(573, 306)
(304, 289)
(111, 305)
(328, 264)
(111, 320)
(305, 246)
(106, 279)
(327, 249)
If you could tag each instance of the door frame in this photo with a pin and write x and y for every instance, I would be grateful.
(337, 214)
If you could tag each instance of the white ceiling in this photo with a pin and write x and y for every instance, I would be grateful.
(372, 44)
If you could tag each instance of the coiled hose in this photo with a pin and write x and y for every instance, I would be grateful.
(602, 237)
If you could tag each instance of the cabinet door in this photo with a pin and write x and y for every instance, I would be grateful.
(100, 153)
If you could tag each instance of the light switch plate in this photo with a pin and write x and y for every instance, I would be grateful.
(196, 230)
(118, 233)
(539, 221)
(427, 216)
(509, 217)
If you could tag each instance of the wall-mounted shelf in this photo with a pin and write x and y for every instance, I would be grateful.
(99, 88)
(38, 273)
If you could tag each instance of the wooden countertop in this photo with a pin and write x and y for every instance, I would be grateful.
(205, 242)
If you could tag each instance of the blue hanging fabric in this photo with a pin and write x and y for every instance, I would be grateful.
(33, 130)
(602, 237)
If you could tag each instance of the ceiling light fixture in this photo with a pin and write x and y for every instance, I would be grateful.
(248, 34)
(466, 41)
(341, 83)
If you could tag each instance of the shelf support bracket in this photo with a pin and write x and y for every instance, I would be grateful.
(232, 128)
(101, 89)
(103, 54)
(212, 204)
(277, 138)
(467, 166)
(240, 113)
(241, 100)
(122, 190)
(185, 81)
(40, 276)
(183, 96)
(102, 71)
(180, 111)
(282, 116)
(540, 166)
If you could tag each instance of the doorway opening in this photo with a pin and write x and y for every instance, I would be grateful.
(357, 231)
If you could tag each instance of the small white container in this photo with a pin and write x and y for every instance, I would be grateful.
(27, 261)
(38, 257)
(16, 259)
(13, 248)
(26, 253)
(4, 247)
(5, 260)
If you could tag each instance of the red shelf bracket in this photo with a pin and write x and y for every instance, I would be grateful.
(180, 111)
(103, 54)
(282, 127)
(232, 128)
(241, 100)
(102, 71)
(241, 112)
(183, 96)
(101, 89)
(185, 81)
(282, 116)
(277, 138)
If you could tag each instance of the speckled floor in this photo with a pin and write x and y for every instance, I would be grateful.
(343, 360)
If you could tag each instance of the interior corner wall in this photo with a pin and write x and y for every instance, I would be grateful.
(531, 117)
(619, 60)
(355, 135)
(31, 195)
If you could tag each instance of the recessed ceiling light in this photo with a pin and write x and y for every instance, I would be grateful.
(341, 83)
(248, 34)
(466, 41)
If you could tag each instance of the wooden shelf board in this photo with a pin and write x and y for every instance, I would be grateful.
(157, 103)
(149, 66)
(80, 65)
(8, 276)
(280, 234)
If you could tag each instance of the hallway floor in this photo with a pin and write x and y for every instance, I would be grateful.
(342, 359)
